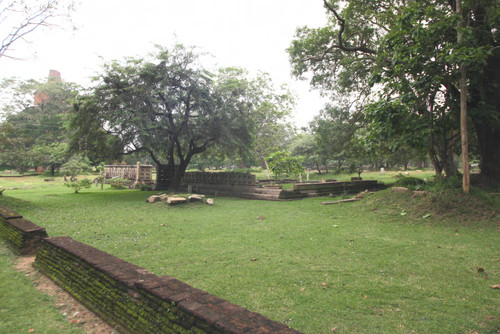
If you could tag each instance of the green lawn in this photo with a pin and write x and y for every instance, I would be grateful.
(374, 266)
(23, 309)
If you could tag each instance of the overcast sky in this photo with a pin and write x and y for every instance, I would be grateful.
(251, 34)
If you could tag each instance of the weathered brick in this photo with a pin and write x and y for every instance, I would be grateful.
(6, 213)
(137, 301)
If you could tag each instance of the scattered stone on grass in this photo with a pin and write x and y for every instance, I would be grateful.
(176, 200)
(163, 197)
(210, 201)
(153, 199)
(196, 198)
(400, 189)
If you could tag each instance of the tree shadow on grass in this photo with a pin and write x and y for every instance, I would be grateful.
(16, 204)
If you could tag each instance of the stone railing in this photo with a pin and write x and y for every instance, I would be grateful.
(137, 173)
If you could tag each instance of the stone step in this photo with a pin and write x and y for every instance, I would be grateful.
(269, 197)
(267, 191)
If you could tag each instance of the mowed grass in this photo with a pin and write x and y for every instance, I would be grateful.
(374, 266)
(23, 309)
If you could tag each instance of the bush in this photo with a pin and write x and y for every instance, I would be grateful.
(446, 183)
(412, 183)
(85, 183)
(282, 163)
(119, 183)
(144, 187)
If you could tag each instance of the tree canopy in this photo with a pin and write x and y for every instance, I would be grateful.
(170, 107)
(401, 59)
(34, 130)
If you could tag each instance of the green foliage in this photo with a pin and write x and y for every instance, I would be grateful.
(303, 145)
(403, 57)
(282, 163)
(79, 185)
(412, 183)
(144, 187)
(443, 184)
(76, 166)
(119, 183)
(33, 135)
(52, 155)
(172, 108)
(334, 130)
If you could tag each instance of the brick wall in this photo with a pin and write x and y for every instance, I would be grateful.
(219, 178)
(19, 232)
(138, 301)
(127, 296)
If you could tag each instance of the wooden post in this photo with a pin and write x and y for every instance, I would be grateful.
(463, 108)
(138, 172)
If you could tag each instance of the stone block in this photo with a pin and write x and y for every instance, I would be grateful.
(176, 200)
(196, 198)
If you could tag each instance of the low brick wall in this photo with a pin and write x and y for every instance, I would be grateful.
(138, 301)
(337, 188)
(230, 190)
(227, 178)
(19, 232)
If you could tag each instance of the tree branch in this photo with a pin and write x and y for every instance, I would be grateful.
(340, 44)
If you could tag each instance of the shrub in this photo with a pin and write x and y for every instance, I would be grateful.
(85, 183)
(119, 183)
(446, 183)
(282, 163)
(144, 187)
(412, 183)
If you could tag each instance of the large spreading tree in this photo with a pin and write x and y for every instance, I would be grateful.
(405, 60)
(170, 107)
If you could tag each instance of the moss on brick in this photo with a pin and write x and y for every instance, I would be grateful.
(138, 301)
(22, 234)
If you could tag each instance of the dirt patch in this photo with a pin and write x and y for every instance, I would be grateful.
(72, 309)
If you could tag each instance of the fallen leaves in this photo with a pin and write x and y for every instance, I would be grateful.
(496, 286)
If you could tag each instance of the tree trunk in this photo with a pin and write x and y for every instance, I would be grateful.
(489, 148)
(169, 177)
(484, 111)
(163, 175)
(318, 168)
